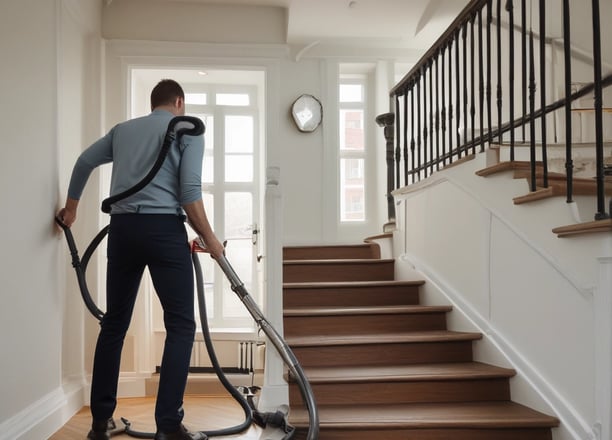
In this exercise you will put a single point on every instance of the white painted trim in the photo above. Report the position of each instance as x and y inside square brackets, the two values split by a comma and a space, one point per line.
[603, 352]
[186, 50]
[45, 416]
[275, 390]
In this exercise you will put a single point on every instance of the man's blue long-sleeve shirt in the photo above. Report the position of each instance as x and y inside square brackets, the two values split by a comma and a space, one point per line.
[133, 147]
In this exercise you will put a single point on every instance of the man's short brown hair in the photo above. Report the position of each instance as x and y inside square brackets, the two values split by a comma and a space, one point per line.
[165, 92]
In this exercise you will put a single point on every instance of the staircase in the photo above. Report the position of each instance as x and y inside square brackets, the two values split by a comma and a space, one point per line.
[557, 187]
[383, 367]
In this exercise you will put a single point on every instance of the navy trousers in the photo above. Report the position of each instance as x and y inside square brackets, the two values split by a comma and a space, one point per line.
[159, 242]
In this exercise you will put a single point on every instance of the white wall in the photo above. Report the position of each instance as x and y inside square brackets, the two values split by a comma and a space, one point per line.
[533, 295]
[46, 88]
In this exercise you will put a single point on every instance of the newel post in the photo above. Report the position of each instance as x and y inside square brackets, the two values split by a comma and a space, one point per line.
[387, 121]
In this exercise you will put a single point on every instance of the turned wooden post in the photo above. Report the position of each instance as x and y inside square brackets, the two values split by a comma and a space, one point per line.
[387, 120]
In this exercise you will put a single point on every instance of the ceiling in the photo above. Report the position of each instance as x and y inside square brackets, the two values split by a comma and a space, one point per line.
[413, 24]
[404, 24]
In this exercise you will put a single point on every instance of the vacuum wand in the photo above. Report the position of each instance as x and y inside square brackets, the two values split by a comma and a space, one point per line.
[279, 343]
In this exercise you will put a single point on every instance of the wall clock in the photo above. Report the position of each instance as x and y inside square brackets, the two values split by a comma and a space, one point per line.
[307, 112]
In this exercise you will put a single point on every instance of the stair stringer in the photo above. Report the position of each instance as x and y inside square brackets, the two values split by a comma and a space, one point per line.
[465, 255]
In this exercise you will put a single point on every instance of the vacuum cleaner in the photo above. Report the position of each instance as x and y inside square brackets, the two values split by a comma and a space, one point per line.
[277, 421]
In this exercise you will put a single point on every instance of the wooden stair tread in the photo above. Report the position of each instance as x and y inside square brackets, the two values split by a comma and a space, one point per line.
[427, 415]
[386, 338]
[414, 372]
[366, 310]
[582, 228]
[506, 166]
[538, 194]
[340, 284]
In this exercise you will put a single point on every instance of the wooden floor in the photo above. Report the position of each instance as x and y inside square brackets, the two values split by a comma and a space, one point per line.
[202, 413]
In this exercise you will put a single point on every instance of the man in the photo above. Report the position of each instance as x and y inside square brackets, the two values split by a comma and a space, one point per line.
[147, 230]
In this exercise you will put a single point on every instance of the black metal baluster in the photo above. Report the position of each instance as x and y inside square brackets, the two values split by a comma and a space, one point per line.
[398, 139]
[599, 151]
[443, 109]
[543, 90]
[499, 75]
[569, 164]
[465, 88]
[418, 167]
[489, 97]
[437, 128]
[524, 60]
[532, 86]
[431, 118]
[481, 81]
[425, 158]
[510, 9]
[412, 127]
[450, 101]
[406, 137]
[458, 97]
[472, 83]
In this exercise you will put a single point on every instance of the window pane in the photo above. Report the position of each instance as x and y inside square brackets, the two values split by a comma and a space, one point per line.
[239, 168]
[351, 93]
[238, 224]
[237, 99]
[351, 130]
[208, 274]
[352, 190]
[208, 164]
[232, 306]
[207, 263]
[238, 215]
[195, 98]
[239, 134]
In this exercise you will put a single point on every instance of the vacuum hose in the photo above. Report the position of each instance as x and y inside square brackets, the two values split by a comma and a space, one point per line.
[177, 127]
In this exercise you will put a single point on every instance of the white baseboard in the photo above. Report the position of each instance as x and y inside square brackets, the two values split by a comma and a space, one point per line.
[44, 417]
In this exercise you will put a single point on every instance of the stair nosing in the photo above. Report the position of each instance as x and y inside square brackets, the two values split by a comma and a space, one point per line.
[365, 310]
[348, 284]
[341, 261]
[387, 416]
[387, 338]
[411, 373]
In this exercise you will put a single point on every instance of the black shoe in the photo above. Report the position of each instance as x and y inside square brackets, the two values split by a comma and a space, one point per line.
[181, 434]
[100, 430]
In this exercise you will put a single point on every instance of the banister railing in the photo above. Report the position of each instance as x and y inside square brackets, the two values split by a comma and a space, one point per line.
[444, 108]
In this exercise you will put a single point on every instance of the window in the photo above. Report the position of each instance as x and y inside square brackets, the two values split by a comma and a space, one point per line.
[229, 176]
[352, 149]
[196, 98]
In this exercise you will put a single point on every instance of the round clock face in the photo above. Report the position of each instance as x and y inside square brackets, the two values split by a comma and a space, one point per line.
[307, 112]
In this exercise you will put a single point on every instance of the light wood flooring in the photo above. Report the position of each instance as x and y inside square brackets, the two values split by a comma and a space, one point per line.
[203, 413]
